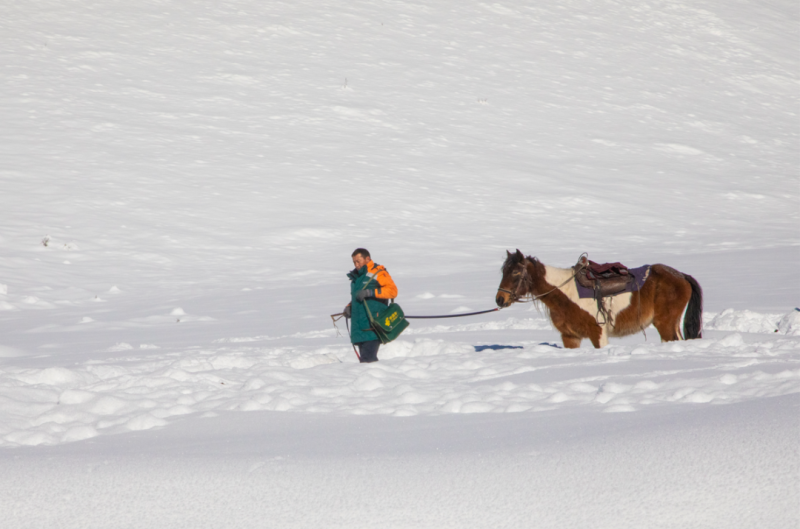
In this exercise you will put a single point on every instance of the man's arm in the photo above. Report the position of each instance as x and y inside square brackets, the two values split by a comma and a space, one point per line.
[387, 288]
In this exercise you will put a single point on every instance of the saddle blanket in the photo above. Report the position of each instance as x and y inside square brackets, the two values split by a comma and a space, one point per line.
[639, 277]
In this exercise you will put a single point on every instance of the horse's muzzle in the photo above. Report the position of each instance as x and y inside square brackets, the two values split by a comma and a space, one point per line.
[504, 298]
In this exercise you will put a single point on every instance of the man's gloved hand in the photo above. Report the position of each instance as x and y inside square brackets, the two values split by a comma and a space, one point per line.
[361, 295]
[346, 312]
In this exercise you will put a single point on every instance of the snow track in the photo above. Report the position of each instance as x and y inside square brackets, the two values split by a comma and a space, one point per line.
[421, 377]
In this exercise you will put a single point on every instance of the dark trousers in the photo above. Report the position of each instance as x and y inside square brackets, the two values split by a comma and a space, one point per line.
[368, 351]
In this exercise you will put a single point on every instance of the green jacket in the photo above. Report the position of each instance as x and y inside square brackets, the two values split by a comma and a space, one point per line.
[360, 330]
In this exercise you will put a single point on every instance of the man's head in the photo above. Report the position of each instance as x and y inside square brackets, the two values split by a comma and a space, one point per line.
[360, 257]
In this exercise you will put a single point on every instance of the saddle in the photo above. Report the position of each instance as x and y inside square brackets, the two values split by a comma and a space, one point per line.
[607, 279]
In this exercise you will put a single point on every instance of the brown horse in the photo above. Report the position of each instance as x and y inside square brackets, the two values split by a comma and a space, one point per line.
[661, 301]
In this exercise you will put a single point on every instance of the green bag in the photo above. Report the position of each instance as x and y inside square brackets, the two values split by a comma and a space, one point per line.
[388, 323]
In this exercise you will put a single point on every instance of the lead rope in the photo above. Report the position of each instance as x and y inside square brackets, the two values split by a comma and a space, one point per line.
[452, 315]
[337, 317]
[347, 324]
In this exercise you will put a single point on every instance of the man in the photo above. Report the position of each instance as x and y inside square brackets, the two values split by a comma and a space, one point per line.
[370, 283]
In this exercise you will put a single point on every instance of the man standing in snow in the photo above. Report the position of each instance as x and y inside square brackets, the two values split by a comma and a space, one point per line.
[370, 283]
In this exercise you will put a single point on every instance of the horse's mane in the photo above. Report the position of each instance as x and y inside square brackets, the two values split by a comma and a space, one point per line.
[514, 259]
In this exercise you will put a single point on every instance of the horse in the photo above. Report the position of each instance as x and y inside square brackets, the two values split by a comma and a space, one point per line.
[662, 300]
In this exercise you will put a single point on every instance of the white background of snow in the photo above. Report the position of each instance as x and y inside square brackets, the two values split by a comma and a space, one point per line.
[202, 171]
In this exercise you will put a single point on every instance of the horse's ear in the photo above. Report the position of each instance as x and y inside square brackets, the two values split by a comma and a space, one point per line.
[508, 254]
[519, 254]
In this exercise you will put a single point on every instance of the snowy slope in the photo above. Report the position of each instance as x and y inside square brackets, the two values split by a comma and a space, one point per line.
[168, 142]
[183, 183]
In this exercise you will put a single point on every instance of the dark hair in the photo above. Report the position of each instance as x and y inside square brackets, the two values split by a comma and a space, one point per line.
[363, 252]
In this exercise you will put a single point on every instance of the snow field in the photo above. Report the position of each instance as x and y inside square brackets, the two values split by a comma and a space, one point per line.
[415, 377]
[181, 185]
[691, 466]
[753, 322]
[171, 143]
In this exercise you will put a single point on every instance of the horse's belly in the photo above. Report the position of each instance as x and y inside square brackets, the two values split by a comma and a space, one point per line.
[613, 304]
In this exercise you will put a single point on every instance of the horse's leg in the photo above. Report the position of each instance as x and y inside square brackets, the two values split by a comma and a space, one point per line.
[600, 340]
[667, 328]
[672, 296]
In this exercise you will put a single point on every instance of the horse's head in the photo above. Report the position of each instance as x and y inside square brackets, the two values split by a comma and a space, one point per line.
[516, 280]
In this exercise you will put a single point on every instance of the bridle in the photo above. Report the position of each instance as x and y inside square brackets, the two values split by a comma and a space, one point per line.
[529, 298]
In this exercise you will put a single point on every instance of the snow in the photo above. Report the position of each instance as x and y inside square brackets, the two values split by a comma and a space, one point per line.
[420, 377]
[183, 184]
[790, 324]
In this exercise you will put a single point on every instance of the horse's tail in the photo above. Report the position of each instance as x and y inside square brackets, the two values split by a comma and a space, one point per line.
[693, 320]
